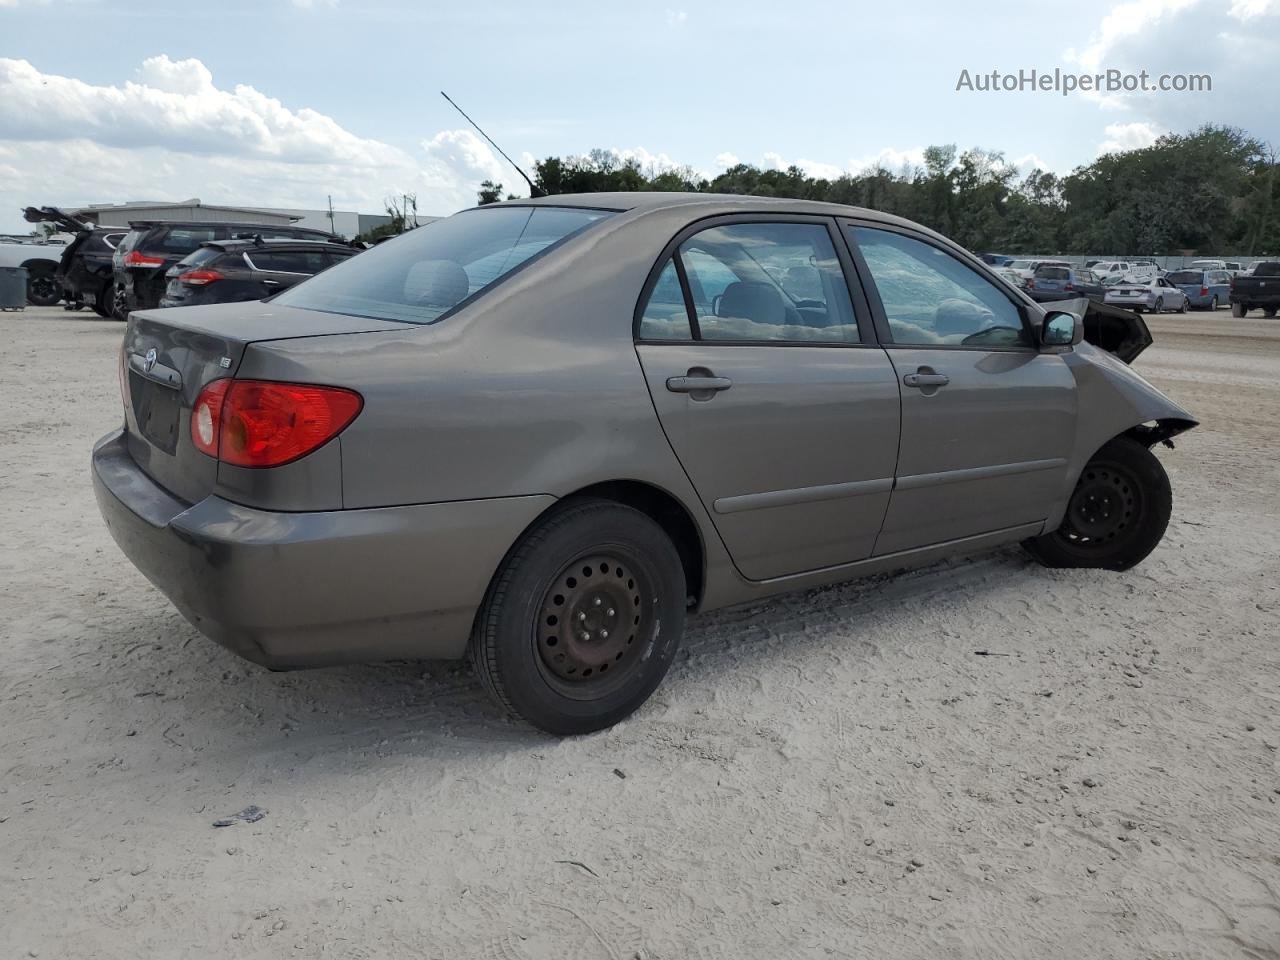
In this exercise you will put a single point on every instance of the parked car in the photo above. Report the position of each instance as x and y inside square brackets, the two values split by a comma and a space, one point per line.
[1206, 289]
[227, 271]
[1151, 296]
[151, 247]
[1207, 265]
[1064, 283]
[1259, 290]
[1125, 269]
[538, 433]
[41, 261]
[1011, 277]
[84, 273]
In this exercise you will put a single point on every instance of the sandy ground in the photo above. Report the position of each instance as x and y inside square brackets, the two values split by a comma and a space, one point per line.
[833, 774]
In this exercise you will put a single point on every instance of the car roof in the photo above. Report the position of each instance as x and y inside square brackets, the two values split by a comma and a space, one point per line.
[644, 201]
[185, 224]
[253, 243]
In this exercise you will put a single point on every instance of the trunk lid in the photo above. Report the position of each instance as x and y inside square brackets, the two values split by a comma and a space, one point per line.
[170, 355]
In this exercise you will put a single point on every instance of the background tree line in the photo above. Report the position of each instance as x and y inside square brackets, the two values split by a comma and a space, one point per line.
[1213, 190]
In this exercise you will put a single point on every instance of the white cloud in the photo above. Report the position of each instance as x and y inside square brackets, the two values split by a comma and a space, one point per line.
[1235, 42]
[1129, 136]
[677, 17]
[312, 4]
[890, 158]
[727, 160]
[812, 168]
[172, 132]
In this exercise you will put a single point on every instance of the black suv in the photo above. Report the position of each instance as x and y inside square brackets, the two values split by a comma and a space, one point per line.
[151, 247]
[84, 272]
[227, 271]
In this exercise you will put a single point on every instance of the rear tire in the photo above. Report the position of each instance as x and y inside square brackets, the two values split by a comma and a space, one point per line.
[582, 619]
[1186, 305]
[1269, 313]
[1239, 309]
[1117, 514]
[1213, 304]
[119, 303]
[102, 300]
[42, 287]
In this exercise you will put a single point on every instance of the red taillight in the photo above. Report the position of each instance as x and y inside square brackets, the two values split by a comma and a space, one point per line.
[1069, 286]
[1204, 291]
[136, 259]
[257, 423]
[198, 278]
[206, 417]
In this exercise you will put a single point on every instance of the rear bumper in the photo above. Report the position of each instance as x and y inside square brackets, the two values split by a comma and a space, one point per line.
[293, 590]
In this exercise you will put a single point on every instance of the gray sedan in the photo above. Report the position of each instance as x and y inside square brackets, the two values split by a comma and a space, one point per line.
[540, 433]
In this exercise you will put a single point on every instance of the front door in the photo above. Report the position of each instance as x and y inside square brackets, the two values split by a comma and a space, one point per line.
[988, 420]
[780, 410]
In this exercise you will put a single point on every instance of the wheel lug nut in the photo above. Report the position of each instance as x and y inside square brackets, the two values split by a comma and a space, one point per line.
[611, 611]
[586, 636]
[597, 601]
[581, 617]
[604, 634]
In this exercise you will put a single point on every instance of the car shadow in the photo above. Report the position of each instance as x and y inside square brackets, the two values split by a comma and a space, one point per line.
[202, 702]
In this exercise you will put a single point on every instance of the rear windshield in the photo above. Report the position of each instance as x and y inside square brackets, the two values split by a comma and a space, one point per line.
[200, 257]
[1185, 276]
[1053, 273]
[184, 239]
[420, 276]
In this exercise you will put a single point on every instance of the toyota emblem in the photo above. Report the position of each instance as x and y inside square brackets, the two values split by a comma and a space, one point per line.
[149, 361]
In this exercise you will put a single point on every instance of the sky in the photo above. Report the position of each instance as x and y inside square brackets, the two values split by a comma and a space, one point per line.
[286, 102]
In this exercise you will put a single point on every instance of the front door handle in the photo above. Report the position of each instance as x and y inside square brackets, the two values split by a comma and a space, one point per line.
[271, 283]
[698, 384]
[926, 379]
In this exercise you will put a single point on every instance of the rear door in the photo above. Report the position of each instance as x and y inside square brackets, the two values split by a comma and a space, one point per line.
[764, 371]
[987, 419]
[282, 267]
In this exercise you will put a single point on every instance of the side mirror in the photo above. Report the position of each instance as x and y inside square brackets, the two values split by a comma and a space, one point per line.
[1061, 329]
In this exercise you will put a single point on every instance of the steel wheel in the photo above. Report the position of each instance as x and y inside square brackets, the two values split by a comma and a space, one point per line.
[1117, 513]
[1105, 502]
[583, 618]
[595, 617]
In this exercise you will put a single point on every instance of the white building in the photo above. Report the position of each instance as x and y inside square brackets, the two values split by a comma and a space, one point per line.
[346, 223]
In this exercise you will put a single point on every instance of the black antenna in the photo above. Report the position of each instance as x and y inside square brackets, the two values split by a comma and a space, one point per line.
[533, 190]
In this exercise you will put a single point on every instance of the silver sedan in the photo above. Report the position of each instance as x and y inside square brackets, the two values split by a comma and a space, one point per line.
[541, 433]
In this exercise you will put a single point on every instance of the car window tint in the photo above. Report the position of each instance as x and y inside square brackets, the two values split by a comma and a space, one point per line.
[665, 316]
[290, 261]
[185, 239]
[768, 282]
[201, 257]
[932, 299]
[1053, 273]
[421, 275]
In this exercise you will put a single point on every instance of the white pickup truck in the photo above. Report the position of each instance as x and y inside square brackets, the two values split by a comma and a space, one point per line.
[41, 261]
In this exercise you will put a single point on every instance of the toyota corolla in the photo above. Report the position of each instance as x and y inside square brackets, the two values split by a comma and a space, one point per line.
[540, 433]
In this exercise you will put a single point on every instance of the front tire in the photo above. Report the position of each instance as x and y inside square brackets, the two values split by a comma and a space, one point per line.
[1117, 514]
[1269, 313]
[583, 618]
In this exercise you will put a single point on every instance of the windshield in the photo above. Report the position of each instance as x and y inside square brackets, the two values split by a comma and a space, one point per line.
[422, 275]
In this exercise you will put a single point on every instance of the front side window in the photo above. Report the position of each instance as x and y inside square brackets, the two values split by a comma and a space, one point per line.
[760, 282]
[932, 299]
[422, 275]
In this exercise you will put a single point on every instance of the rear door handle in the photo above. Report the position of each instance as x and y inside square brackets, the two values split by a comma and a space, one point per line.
[924, 380]
[698, 384]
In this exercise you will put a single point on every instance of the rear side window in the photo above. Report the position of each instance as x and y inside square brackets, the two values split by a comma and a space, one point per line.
[422, 275]
[665, 316]
[289, 261]
[768, 282]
